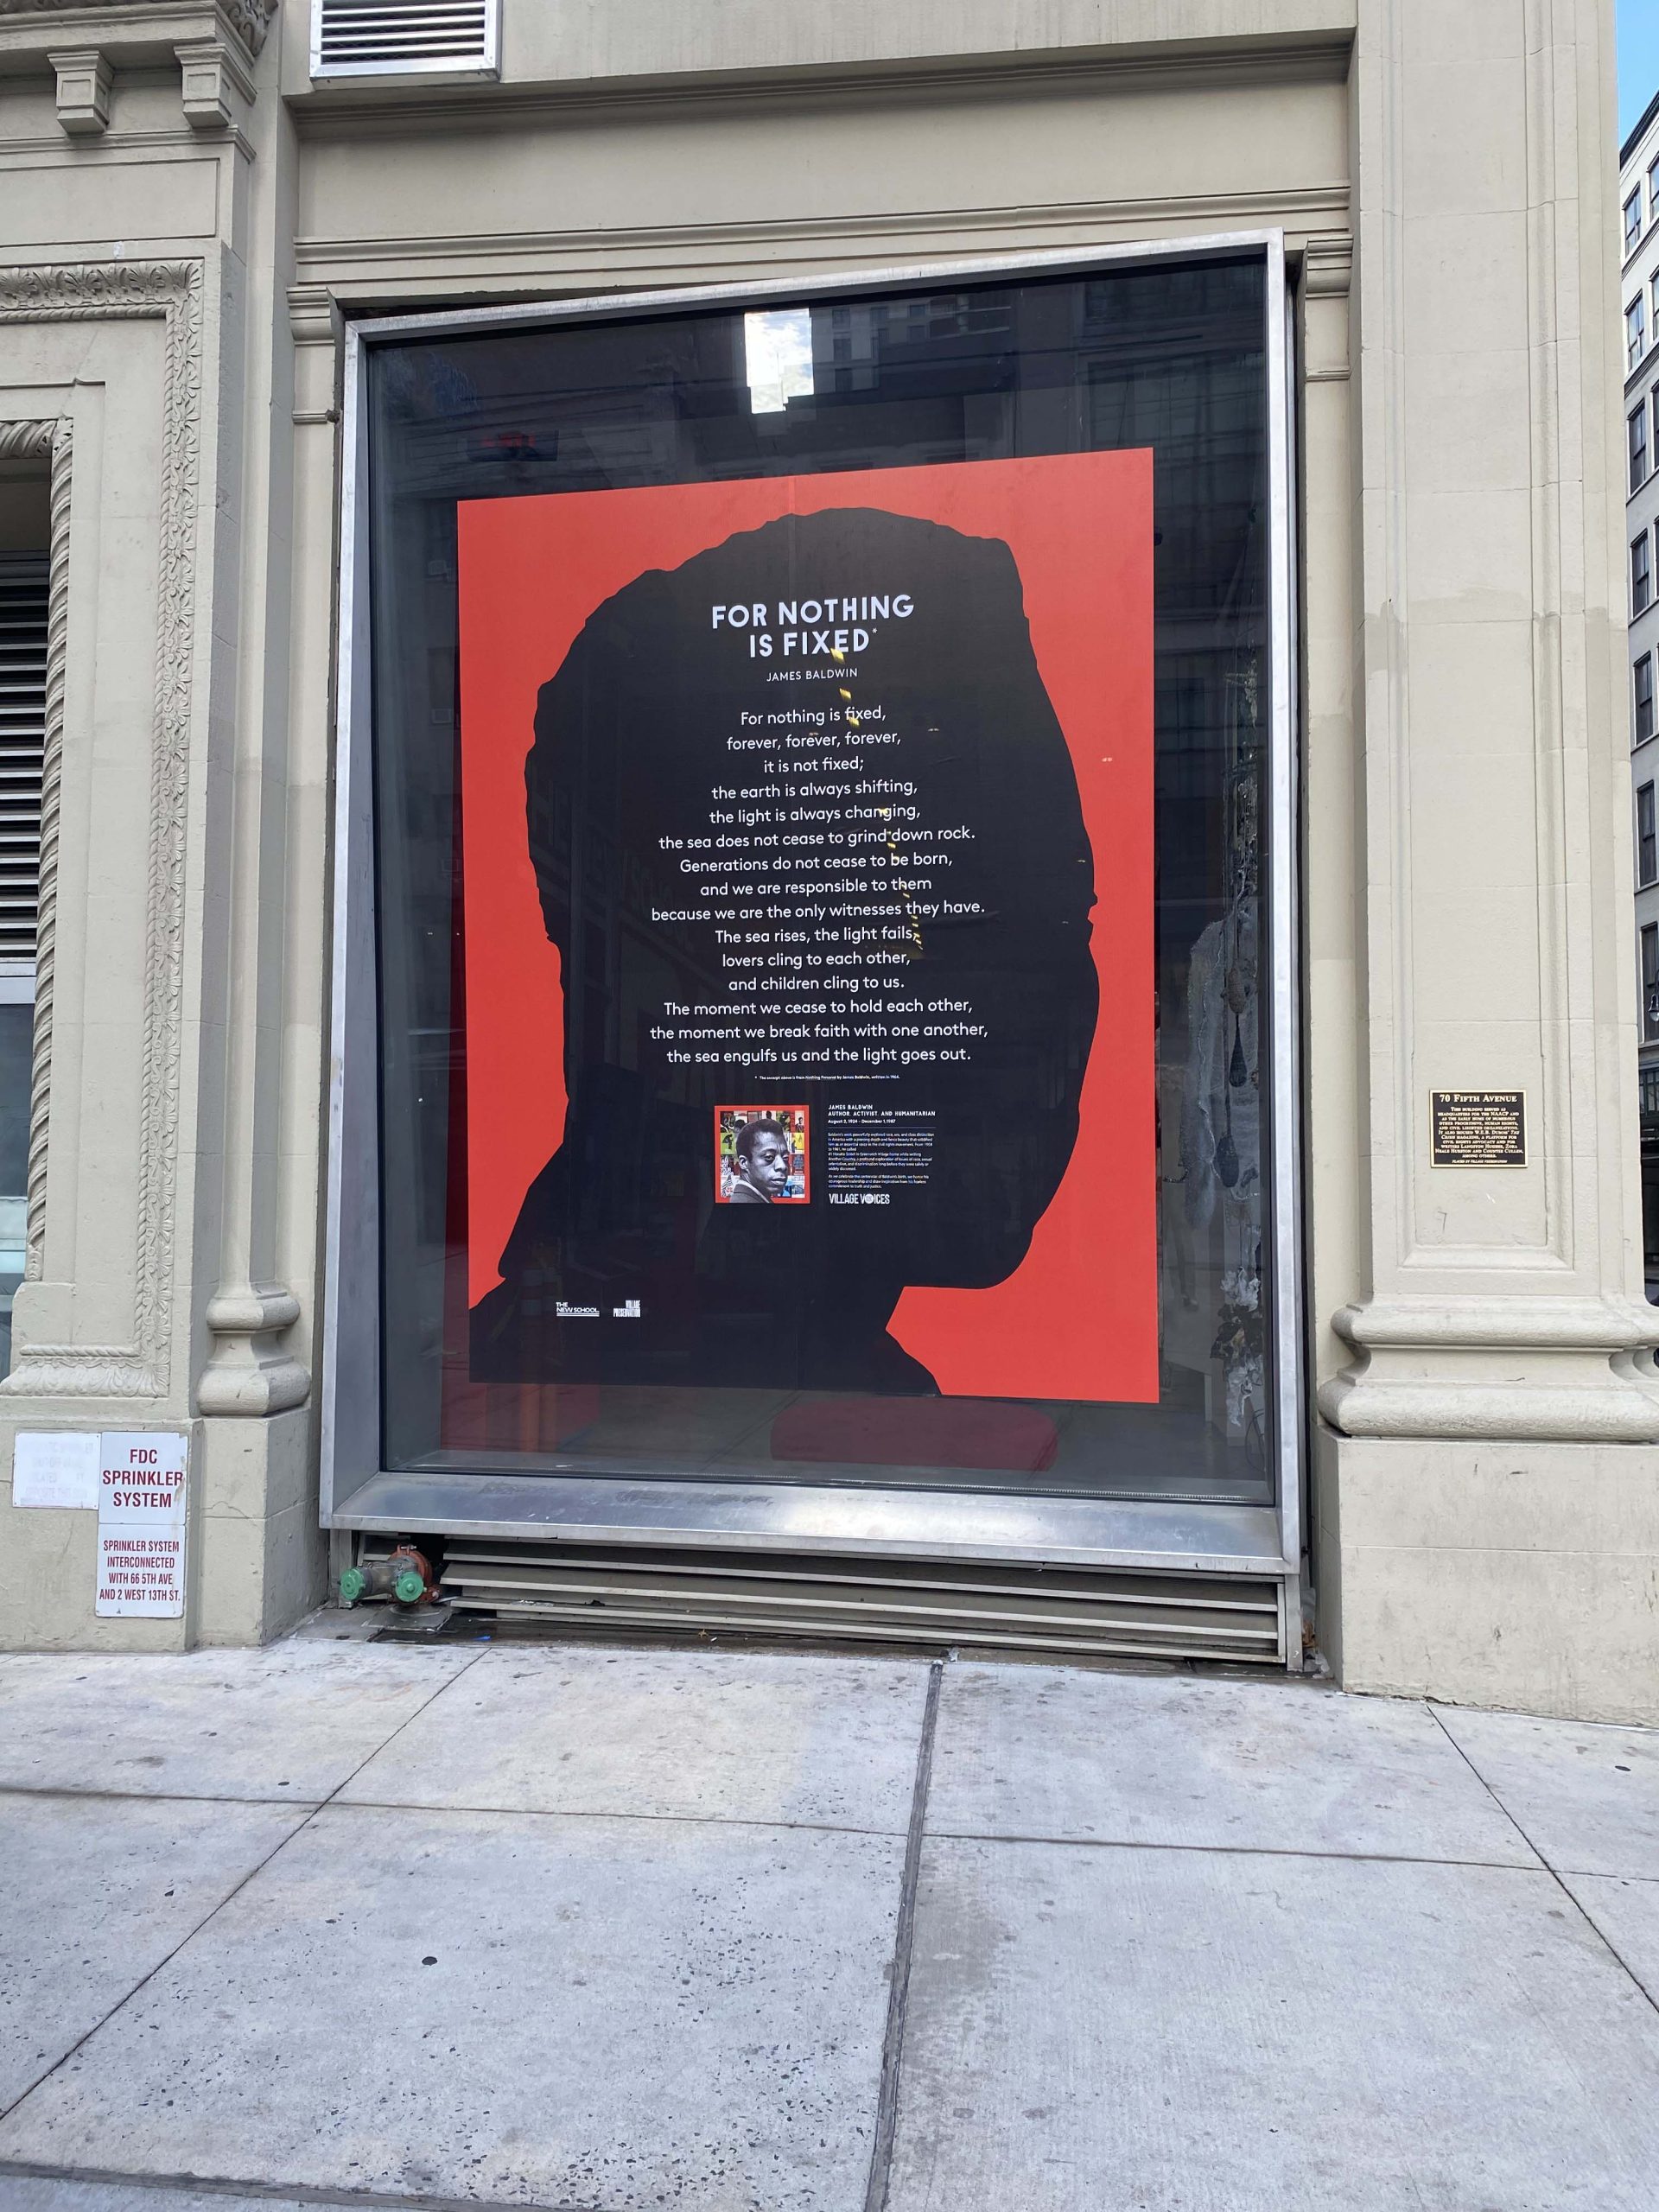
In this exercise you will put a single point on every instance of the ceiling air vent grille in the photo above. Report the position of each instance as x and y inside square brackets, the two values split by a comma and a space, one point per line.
[397, 38]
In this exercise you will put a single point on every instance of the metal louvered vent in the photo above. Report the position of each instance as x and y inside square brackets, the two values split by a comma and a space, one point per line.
[396, 38]
[1106, 1611]
[23, 593]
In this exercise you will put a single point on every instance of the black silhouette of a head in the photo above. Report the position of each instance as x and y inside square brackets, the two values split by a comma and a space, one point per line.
[980, 941]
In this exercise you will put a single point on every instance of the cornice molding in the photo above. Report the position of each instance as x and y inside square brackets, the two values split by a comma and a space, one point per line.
[123, 29]
[530, 260]
[102, 291]
[354, 109]
[112, 144]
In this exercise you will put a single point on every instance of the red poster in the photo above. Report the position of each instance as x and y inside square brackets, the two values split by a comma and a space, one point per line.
[807, 844]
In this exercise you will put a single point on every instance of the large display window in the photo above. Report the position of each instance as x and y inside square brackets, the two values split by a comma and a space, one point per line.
[814, 881]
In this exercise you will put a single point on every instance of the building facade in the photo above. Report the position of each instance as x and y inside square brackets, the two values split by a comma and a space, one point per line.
[1191, 1203]
[1638, 195]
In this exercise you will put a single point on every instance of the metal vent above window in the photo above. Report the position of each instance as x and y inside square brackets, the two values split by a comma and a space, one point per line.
[23, 592]
[396, 38]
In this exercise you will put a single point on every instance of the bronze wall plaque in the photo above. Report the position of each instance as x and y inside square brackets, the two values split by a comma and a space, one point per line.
[1480, 1129]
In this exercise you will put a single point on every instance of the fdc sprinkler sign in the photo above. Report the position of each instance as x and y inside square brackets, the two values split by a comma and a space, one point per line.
[141, 1525]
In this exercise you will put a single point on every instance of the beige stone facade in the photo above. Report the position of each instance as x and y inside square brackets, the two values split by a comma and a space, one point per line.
[187, 224]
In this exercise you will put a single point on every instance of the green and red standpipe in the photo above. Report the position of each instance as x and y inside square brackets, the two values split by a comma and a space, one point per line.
[405, 1577]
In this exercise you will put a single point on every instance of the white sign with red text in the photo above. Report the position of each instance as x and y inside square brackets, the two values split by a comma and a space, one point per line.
[141, 1524]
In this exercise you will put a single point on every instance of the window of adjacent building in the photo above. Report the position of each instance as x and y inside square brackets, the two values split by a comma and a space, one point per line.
[1647, 839]
[1641, 576]
[1653, 191]
[1632, 218]
[1644, 724]
[1635, 329]
[23, 592]
[1650, 981]
[1639, 444]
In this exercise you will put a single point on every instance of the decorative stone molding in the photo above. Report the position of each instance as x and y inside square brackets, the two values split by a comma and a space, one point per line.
[83, 79]
[314, 318]
[1327, 277]
[45, 907]
[248, 1374]
[470, 262]
[216, 87]
[80, 1371]
[129, 21]
[249, 20]
[1517, 1369]
[1328, 265]
[106, 291]
[27, 441]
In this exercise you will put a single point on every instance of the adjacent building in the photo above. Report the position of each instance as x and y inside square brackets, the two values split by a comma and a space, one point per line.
[1638, 191]
[815, 821]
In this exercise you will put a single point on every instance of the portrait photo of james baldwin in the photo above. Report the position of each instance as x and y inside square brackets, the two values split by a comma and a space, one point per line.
[631, 732]
[761, 1158]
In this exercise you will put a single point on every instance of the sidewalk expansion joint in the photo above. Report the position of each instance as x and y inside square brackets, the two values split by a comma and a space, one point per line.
[68, 1789]
[893, 2045]
[339, 2199]
[1331, 1857]
[334, 1803]
[758, 1821]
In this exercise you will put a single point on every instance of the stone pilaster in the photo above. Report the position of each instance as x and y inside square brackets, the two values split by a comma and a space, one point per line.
[1501, 1302]
[1496, 1307]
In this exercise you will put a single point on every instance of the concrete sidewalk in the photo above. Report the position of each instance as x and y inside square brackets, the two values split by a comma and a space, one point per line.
[345, 1923]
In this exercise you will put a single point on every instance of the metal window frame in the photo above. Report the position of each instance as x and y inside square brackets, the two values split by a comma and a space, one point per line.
[487, 66]
[358, 1493]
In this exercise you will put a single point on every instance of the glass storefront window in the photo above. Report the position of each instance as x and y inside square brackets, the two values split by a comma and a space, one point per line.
[991, 1213]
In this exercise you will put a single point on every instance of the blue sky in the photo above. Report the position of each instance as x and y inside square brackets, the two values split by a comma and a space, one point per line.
[1638, 60]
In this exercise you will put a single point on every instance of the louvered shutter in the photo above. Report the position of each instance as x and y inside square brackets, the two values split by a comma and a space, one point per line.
[396, 38]
[23, 739]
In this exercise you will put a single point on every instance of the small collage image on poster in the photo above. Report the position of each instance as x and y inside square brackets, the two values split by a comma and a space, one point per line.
[763, 1156]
